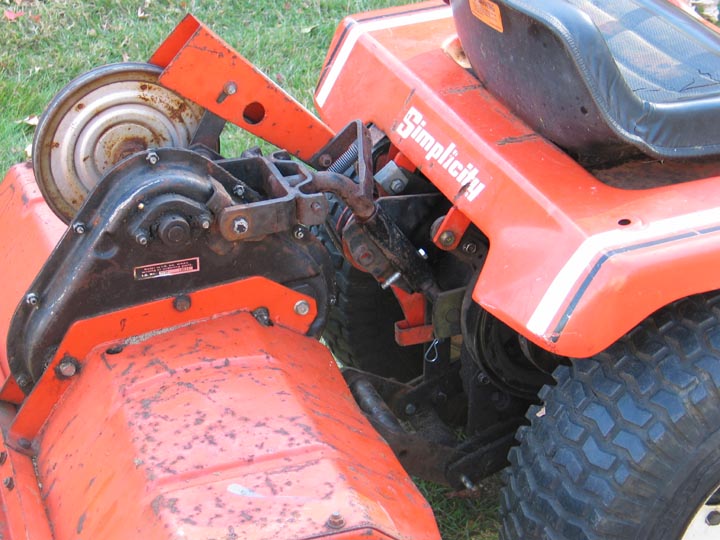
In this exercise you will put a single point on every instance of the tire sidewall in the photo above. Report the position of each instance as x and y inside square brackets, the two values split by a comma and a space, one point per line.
[695, 481]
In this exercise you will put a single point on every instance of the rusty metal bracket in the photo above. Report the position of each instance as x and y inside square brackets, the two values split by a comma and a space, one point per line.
[284, 205]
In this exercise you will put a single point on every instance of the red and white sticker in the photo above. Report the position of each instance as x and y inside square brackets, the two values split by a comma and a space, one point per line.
[488, 12]
[169, 268]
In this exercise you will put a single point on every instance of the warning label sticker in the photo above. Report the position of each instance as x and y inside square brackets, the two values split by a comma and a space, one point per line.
[170, 268]
[488, 12]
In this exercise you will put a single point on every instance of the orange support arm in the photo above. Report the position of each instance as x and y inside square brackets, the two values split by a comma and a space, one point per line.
[202, 67]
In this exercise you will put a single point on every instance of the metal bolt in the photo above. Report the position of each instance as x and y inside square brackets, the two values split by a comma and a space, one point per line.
[3, 457]
[335, 521]
[262, 315]
[205, 222]
[397, 185]
[299, 232]
[469, 247]
[230, 88]
[468, 483]
[240, 225]
[410, 409]
[391, 280]
[9, 483]
[141, 238]
[302, 307]
[483, 379]
[422, 253]
[316, 207]
[32, 299]
[141, 206]
[239, 190]
[67, 368]
[325, 160]
[447, 238]
[182, 303]
[713, 518]
[22, 380]
[152, 158]
[79, 228]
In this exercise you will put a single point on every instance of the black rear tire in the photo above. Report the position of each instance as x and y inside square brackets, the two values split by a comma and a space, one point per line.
[627, 445]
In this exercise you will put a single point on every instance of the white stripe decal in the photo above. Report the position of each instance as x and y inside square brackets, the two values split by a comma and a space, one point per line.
[360, 28]
[578, 265]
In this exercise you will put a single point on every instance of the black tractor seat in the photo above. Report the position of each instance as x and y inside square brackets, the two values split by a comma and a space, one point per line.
[600, 78]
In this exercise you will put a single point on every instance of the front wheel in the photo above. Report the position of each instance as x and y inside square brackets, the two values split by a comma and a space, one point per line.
[627, 445]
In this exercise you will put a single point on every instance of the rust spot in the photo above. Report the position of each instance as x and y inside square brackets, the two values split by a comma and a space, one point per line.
[176, 113]
[520, 139]
[79, 106]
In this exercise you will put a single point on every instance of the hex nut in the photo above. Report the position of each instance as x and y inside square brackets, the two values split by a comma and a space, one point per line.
[152, 158]
[182, 303]
[240, 225]
[335, 521]
[302, 307]
[447, 238]
[67, 368]
[397, 185]
[141, 238]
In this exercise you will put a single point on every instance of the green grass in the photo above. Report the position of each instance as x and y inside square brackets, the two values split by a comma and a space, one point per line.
[56, 40]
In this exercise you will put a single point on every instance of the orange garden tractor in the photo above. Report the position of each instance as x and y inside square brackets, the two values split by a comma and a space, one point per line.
[505, 224]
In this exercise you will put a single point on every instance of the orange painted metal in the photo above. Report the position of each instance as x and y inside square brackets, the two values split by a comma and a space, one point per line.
[414, 328]
[455, 223]
[22, 511]
[160, 316]
[28, 234]
[573, 263]
[202, 67]
[222, 428]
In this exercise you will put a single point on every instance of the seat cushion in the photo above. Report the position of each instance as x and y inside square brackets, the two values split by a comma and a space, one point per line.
[600, 78]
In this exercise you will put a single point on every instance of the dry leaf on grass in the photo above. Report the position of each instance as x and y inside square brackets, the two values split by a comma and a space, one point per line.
[11, 15]
[31, 120]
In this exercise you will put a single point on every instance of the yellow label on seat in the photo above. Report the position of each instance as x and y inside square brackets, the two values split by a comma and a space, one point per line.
[488, 12]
